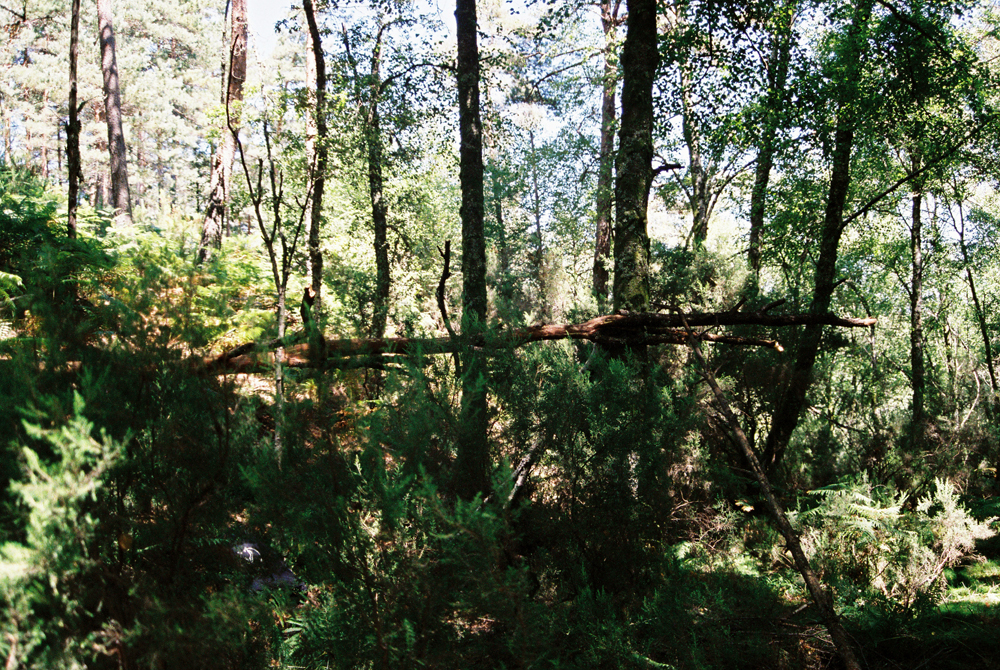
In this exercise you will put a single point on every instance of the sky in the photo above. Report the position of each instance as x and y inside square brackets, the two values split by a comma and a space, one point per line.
[261, 16]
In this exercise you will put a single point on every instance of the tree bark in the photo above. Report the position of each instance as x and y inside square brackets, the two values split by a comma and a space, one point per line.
[376, 191]
[640, 59]
[222, 164]
[73, 127]
[619, 330]
[537, 255]
[781, 46]
[472, 467]
[786, 417]
[121, 198]
[980, 314]
[917, 372]
[605, 174]
[700, 197]
[322, 158]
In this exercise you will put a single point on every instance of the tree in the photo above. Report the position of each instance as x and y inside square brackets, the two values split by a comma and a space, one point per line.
[472, 466]
[320, 159]
[73, 127]
[849, 58]
[121, 197]
[222, 163]
[777, 65]
[640, 59]
[605, 179]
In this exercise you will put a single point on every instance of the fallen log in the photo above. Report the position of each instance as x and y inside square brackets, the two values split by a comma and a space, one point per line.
[614, 329]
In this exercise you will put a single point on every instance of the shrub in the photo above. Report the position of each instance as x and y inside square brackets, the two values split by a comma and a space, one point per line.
[878, 551]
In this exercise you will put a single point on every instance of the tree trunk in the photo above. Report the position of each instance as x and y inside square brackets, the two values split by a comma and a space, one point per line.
[980, 314]
[605, 174]
[222, 164]
[120, 196]
[537, 255]
[472, 467]
[700, 198]
[322, 152]
[376, 192]
[44, 152]
[781, 46]
[917, 371]
[505, 286]
[786, 417]
[7, 124]
[640, 58]
[621, 330]
[73, 127]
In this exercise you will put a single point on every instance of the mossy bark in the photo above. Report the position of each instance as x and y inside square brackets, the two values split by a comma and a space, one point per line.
[640, 59]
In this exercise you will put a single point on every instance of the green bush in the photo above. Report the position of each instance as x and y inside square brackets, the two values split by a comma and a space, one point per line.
[881, 553]
[47, 580]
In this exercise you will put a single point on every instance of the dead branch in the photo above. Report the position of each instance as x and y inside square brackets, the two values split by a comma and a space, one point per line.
[615, 329]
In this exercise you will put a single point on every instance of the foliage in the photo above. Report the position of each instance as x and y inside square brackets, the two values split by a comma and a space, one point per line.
[886, 555]
[45, 579]
[145, 521]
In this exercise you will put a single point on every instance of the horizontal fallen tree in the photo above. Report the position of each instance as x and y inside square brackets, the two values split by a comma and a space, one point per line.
[623, 329]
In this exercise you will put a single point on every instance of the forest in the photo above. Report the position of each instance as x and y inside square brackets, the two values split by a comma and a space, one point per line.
[524, 334]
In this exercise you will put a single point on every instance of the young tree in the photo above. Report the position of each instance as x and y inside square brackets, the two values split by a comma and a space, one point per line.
[605, 175]
[121, 197]
[73, 127]
[777, 65]
[320, 159]
[222, 163]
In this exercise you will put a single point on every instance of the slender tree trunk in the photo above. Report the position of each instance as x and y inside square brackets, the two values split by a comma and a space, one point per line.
[310, 122]
[7, 123]
[505, 286]
[781, 46]
[44, 153]
[980, 314]
[790, 406]
[640, 58]
[917, 371]
[700, 196]
[121, 198]
[222, 164]
[538, 254]
[376, 192]
[472, 467]
[73, 127]
[605, 174]
[322, 153]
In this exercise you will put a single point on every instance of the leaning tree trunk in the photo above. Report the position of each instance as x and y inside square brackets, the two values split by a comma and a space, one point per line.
[319, 173]
[605, 174]
[73, 127]
[640, 58]
[472, 467]
[120, 195]
[222, 164]
[786, 418]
